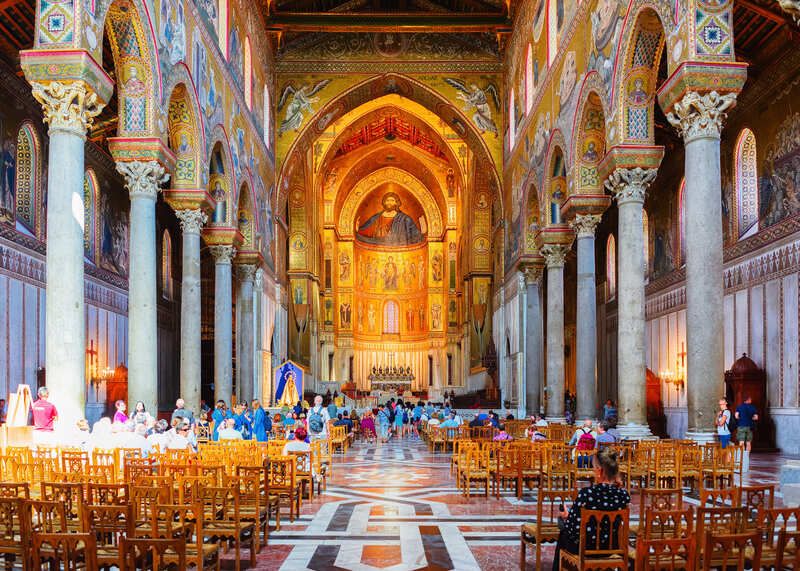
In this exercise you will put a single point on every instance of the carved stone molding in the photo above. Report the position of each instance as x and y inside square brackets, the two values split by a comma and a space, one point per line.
[630, 185]
[554, 254]
[584, 225]
[191, 220]
[698, 116]
[533, 275]
[245, 272]
[143, 178]
[223, 254]
[67, 106]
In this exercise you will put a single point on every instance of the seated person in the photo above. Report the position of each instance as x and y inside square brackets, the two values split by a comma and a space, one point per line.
[586, 429]
[477, 422]
[502, 435]
[298, 444]
[604, 437]
[229, 432]
[605, 494]
[451, 421]
[342, 420]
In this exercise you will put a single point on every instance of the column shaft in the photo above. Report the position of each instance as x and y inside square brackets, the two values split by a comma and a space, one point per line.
[191, 340]
[555, 255]
[244, 332]
[223, 324]
[533, 348]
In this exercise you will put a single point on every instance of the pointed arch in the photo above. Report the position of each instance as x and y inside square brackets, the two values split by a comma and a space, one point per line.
[90, 223]
[529, 86]
[166, 265]
[611, 268]
[682, 223]
[746, 177]
[220, 180]
[245, 217]
[186, 137]
[555, 180]
[27, 181]
[248, 73]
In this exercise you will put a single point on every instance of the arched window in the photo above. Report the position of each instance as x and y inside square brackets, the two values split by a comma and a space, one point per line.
[166, 265]
[390, 317]
[512, 121]
[529, 80]
[267, 117]
[611, 267]
[746, 185]
[26, 186]
[248, 74]
[89, 214]
[222, 31]
[646, 236]
[682, 222]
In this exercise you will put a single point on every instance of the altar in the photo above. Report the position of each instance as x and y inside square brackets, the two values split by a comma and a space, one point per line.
[391, 379]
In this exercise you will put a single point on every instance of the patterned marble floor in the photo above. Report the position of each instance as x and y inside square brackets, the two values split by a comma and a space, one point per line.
[396, 507]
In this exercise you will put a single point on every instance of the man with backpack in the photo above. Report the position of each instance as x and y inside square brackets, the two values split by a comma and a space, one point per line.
[318, 418]
[586, 434]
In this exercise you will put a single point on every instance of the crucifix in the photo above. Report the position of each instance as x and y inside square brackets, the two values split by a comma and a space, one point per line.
[91, 352]
[682, 355]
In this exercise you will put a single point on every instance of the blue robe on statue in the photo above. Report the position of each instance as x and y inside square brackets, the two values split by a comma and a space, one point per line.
[259, 426]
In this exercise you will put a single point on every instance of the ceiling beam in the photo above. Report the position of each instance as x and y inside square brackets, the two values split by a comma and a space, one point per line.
[761, 11]
[388, 22]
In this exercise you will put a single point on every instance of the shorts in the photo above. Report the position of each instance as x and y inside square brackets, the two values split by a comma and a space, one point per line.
[744, 434]
[724, 440]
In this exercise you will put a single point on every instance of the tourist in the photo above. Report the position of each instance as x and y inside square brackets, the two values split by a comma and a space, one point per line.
[229, 432]
[120, 415]
[435, 420]
[333, 410]
[181, 412]
[606, 494]
[585, 430]
[368, 426]
[81, 434]
[218, 416]
[298, 443]
[609, 410]
[202, 420]
[140, 414]
[429, 409]
[494, 420]
[612, 428]
[204, 407]
[604, 438]
[450, 422]
[180, 440]
[44, 416]
[531, 428]
[723, 423]
[290, 420]
[246, 422]
[383, 423]
[101, 436]
[159, 437]
[540, 421]
[502, 434]
[259, 421]
[478, 421]
[342, 420]
[132, 435]
[318, 418]
[746, 417]
[399, 413]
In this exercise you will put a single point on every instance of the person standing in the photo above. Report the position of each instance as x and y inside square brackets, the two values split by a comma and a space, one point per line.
[746, 415]
[181, 412]
[44, 415]
[723, 423]
[383, 423]
[218, 416]
[259, 416]
[318, 418]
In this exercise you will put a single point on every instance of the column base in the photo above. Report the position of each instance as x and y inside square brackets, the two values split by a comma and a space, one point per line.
[702, 436]
[557, 419]
[634, 431]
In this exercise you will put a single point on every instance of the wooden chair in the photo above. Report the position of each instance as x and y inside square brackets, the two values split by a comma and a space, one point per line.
[222, 520]
[721, 521]
[772, 522]
[14, 531]
[691, 466]
[756, 498]
[172, 521]
[136, 467]
[109, 524]
[281, 481]
[71, 495]
[593, 553]
[732, 551]
[788, 552]
[476, 469]
[74, 461]
[252, 506]
[671, 554]
[144, 500]
[107, 494]
[155, 554]
[545, 530]
[15, 490]
[44, 516]
[721, 497]
[667, 499]
[507, 467]
[67, 551]
[665, 470]
[304, 471]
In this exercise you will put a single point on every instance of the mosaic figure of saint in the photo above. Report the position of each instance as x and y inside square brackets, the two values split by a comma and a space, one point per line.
[390, 226]
[390, 274]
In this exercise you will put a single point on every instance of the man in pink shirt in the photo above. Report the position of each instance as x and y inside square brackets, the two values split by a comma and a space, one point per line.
[44, 412]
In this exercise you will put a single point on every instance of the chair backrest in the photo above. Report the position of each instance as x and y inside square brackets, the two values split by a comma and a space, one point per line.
[788, 550]
[719, 520]
[13, 520]
[667, 524]
[665, 554]
[158, 553]
[757, 498]
[732, 551]
[548, 502]
[74, 461]
[15, 490]
[109, 522]
[135, 467]
[219, 503]
[721, 497]
[660, 499]
[605, 534]
[67, 551]
[71, 494]
[45, 516]
[107, 494]
[281, 473]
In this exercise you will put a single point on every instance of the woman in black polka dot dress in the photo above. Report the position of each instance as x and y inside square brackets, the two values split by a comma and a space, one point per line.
[606, 494]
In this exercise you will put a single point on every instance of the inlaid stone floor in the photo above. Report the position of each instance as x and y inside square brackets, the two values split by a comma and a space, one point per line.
[396, 507]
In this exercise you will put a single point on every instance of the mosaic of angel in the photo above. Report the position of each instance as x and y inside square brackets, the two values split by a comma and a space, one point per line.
[478, 99]
[301, 100]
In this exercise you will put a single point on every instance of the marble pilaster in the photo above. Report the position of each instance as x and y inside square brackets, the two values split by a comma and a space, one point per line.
[584, 226]
[223, 322]
[555, 256]
[533, 340]
[629, 186]
[192, 221]
[143, 179]
[245, 381]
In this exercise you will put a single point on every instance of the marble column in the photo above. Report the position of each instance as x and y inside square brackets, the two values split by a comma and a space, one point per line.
[586, 318]
[533, 341]
[223, 323]
[554, 255]
[699, 118]
[192, 221]
[143, 179]
[629, 185]
[68, 110]
[245, 274]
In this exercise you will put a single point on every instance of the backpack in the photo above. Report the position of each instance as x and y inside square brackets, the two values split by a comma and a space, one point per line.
[315, 422]
[405, 417]
[733, 423]
[586, 440]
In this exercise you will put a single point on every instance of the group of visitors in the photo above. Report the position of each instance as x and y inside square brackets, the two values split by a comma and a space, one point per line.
[742, 422]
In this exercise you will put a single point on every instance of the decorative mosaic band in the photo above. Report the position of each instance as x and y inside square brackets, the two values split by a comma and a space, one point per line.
[702, 77]
[222, 236]
[584, 204]
[557, 234]
[143, 150]
[629, 157]
[189, 199]
[249, 257]
[44, 66]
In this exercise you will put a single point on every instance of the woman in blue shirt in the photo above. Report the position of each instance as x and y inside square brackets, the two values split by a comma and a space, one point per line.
[218, 416]
[259, 416]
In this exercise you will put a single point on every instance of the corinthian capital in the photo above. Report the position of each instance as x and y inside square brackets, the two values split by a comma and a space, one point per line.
[143, 177]
[67, 106]
[245, 272]
[223, 254]
[533, 275]
[630, 185]
[191, 220]
[584, 224]
[554, 254]
[698, 116]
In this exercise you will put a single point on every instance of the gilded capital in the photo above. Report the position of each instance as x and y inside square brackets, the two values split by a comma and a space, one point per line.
[223, 254]
[554, 254]
[698, 116]
[191, 220]
[584, 225]
[67, 106]
[630, 185]
[245, 272]
[143, 178]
